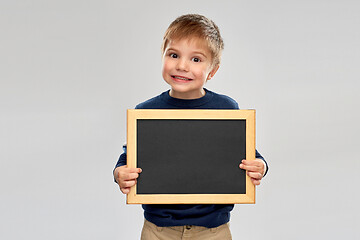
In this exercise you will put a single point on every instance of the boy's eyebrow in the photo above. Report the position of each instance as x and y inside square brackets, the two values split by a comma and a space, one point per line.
[195, 52]
[201, 53]
[171, 49]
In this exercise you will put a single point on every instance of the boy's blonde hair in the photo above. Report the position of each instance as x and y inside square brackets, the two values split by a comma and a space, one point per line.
[195, 25]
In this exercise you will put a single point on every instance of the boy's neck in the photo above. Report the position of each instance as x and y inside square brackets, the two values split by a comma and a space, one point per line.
[187, 96]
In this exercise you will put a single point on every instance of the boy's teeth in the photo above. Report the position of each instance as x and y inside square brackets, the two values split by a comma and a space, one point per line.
[181, 78]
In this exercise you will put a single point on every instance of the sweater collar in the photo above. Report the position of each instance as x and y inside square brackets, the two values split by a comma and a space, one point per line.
[187, 103]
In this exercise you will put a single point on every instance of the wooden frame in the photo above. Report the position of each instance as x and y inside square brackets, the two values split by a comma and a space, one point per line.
[136, 114]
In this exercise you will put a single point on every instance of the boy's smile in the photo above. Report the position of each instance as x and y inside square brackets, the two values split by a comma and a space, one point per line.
[187, 65]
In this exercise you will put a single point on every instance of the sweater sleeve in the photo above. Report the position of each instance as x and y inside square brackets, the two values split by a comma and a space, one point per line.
[122, 160]
[258, 155]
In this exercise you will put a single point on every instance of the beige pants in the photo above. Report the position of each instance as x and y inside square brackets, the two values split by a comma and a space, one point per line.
[152, 232]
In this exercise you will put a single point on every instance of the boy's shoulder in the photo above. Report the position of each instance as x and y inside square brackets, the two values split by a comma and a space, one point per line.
[224, 101]
[154, 102]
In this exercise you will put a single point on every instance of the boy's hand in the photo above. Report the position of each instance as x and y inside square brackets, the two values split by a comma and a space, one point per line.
[255, 169]
[126, 177]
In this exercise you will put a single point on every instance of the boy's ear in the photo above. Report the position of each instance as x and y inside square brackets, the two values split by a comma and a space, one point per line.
[213, 71]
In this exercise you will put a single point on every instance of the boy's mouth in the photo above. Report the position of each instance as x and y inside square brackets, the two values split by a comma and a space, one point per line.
[181, 78]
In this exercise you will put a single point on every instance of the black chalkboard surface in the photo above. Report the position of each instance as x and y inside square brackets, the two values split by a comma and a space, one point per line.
[202, 155]
[191, 156]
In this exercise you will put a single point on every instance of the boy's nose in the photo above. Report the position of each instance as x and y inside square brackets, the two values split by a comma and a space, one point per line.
[182, 65]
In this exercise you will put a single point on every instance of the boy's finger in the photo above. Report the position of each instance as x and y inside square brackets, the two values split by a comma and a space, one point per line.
[127, 184]
[250, 168]
[134, 170]
[131, 176]
[255, 182]
[124, 168]
[125, 190]
[255, 175]
[251, 162]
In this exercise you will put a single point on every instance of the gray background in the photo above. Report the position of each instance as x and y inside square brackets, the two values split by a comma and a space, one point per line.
[70, 69]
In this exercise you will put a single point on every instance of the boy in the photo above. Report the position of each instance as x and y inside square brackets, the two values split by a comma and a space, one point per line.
[191, 51]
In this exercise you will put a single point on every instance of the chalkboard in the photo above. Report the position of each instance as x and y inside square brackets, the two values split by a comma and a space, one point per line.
[191, 156]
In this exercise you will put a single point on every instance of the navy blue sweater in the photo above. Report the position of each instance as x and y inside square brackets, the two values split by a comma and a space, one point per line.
[206, 215]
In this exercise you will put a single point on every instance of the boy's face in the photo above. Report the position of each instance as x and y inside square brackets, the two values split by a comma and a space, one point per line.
[187, 65]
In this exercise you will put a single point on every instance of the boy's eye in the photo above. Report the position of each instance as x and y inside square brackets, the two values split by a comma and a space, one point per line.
[173, 55]
[195, 59]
